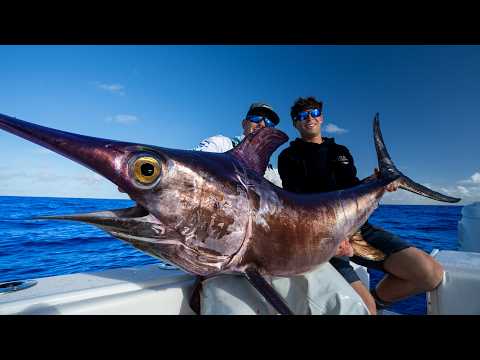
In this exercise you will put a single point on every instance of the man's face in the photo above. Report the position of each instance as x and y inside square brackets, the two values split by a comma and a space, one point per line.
[310, 127]
[250, 127]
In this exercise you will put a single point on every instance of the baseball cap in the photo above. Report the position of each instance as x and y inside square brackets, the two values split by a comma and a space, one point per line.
[264, 110]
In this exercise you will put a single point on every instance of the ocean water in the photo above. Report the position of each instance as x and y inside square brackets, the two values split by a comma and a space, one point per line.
[39, 248]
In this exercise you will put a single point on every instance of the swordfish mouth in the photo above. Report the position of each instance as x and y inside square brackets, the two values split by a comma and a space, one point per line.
[130, 224]
[145, 232]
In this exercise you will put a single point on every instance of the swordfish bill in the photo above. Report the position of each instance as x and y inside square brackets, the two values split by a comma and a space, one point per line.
[215, 213]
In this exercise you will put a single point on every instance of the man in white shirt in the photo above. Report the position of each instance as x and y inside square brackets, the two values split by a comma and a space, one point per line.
[258, 116]
[322, 291]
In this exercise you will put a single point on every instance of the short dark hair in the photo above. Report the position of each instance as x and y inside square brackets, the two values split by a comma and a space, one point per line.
[302, 104]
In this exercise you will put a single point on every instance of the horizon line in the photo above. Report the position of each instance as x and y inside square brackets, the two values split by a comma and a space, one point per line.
[95, 198]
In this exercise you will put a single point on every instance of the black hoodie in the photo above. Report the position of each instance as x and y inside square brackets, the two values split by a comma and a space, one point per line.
[311, 168]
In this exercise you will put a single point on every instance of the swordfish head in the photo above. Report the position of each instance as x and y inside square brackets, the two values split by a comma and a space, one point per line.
[191, 207]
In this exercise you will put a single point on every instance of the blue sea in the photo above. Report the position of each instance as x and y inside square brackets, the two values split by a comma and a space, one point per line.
[39, 248]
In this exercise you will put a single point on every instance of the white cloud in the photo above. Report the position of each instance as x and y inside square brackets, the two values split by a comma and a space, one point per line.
[43, 151]
[123, 119]
[49, 182]
[334, 129]
[42, 174]
[113, 88]
[474, 179]
[463, 190]
[89, 178]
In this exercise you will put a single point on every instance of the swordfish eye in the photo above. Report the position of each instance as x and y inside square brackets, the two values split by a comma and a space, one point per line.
[146, 170]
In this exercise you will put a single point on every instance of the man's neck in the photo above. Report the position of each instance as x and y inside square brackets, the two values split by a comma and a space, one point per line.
[316, 139]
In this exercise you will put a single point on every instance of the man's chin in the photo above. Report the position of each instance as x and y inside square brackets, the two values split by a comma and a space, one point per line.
[310, 134]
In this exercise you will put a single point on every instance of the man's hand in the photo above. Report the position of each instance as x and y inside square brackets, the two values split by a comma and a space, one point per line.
[345, 249]
[390, 187]
[393, 186]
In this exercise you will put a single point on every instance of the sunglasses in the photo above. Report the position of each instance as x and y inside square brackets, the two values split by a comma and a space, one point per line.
[257, 118]
[304, 114]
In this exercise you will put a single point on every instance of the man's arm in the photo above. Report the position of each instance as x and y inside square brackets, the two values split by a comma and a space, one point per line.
[217, 143]
[272, 175]
[351, 172]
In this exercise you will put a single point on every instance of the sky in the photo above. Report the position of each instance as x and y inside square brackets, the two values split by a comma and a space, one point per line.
[428, 98]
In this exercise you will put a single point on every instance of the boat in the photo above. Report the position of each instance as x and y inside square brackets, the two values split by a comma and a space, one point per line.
[160, 289]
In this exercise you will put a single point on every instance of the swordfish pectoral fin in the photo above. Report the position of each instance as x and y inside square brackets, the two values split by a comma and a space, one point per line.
[268, 292]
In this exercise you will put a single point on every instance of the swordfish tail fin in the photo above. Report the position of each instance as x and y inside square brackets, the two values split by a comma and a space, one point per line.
[389, 171]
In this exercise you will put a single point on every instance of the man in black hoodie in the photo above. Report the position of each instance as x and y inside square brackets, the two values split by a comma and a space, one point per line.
[315, 164]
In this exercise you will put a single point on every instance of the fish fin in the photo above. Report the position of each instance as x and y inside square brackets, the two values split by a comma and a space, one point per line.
[389, 171]
[364, 250]
[255, 149]
[410, 185]
[268, 292]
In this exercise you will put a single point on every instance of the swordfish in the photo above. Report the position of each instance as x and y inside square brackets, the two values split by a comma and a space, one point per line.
[215, 213]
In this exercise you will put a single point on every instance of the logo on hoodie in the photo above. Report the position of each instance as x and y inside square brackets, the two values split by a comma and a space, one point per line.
[343, 159]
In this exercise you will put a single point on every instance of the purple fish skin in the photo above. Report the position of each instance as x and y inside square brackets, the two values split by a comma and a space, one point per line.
[290, 234]
[210, 213]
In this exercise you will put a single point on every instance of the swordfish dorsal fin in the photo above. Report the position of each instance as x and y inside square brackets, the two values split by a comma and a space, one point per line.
[255, 149]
